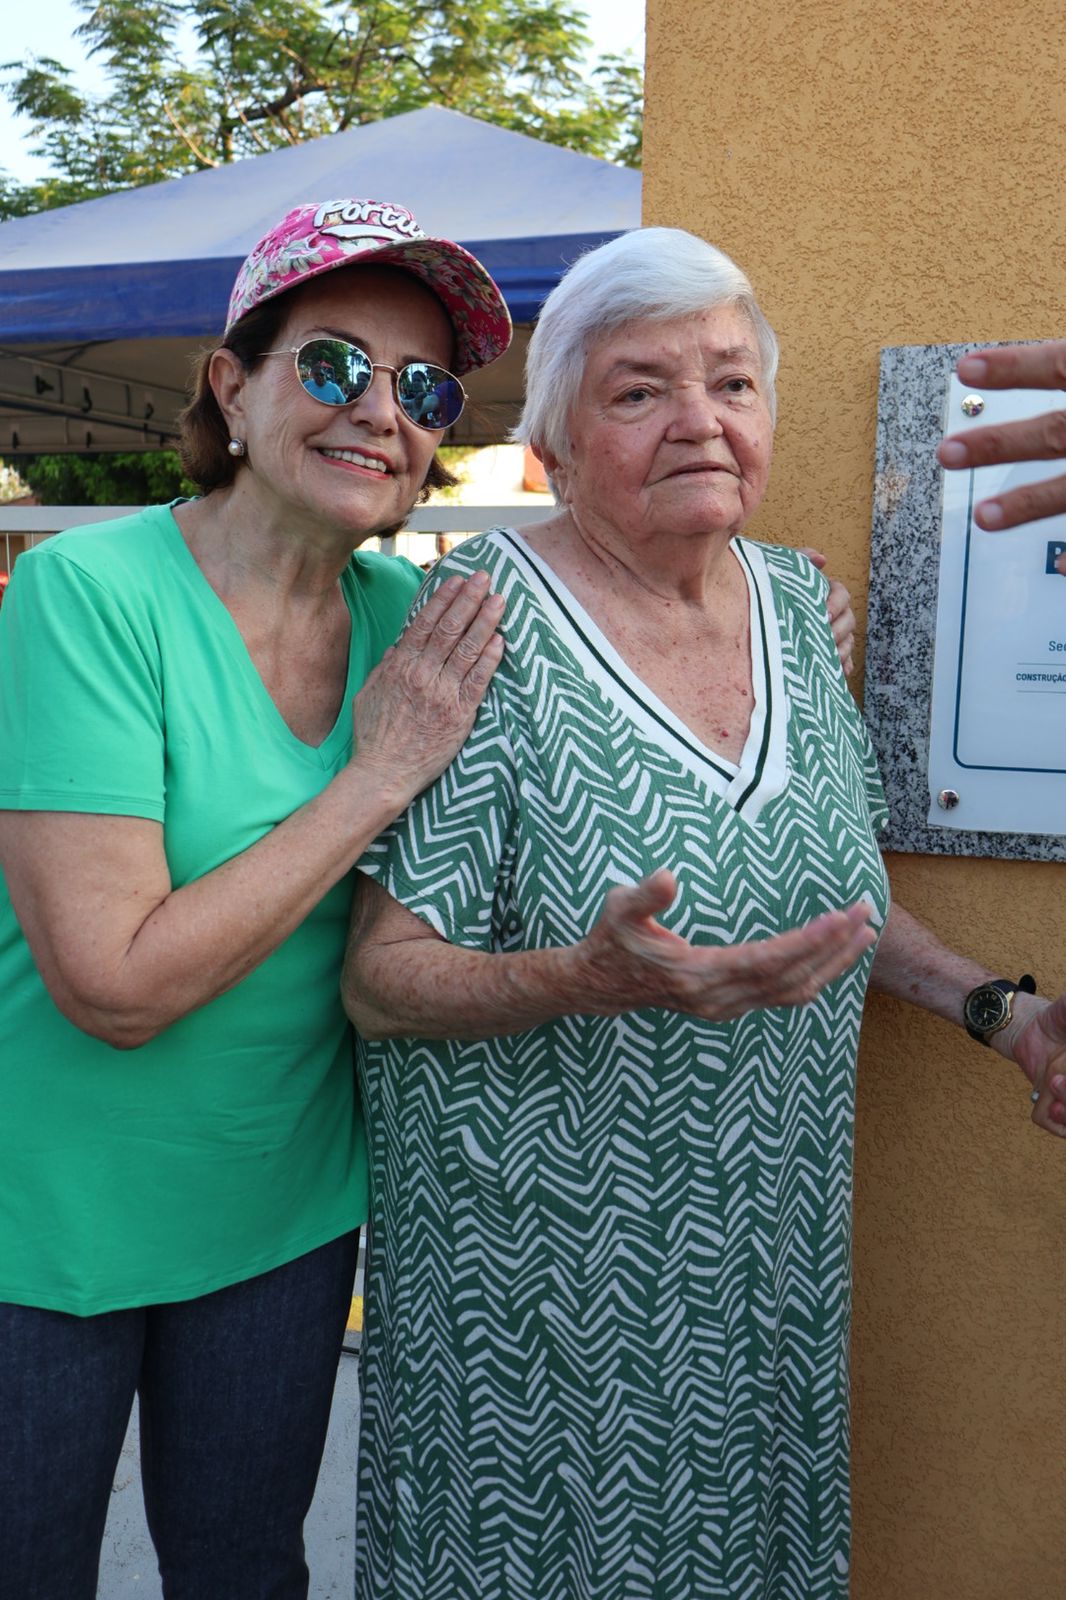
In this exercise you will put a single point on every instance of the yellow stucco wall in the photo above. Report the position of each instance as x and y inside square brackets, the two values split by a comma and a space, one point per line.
[896, 174]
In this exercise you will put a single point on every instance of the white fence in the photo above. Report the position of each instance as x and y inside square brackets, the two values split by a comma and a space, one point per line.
[22, 526]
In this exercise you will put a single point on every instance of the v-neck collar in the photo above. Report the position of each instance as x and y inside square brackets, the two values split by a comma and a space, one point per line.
[336, 744]
[762, 771]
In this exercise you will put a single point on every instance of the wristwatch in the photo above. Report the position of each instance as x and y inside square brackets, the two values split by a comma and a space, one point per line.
[988, 1008]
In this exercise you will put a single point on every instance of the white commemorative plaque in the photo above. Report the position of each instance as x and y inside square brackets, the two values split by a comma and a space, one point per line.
[997, 744]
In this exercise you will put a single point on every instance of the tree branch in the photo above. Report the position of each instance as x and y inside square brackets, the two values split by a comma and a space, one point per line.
[188, 140]
[274, 108]
[251, 131]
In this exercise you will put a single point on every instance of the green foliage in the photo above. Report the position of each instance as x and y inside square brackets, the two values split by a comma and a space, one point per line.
[196, 83]
[105, 480]
[142, 479]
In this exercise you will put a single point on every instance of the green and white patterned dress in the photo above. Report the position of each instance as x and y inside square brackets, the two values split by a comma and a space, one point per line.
[608, 1308]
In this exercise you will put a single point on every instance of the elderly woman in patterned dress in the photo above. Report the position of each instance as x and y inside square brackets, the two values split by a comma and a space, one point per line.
[610, 969]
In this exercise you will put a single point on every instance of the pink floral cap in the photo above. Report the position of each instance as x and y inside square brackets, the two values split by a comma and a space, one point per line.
[315, 238]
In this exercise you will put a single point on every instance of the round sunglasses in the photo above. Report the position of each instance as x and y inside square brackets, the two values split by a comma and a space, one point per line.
[337, 372]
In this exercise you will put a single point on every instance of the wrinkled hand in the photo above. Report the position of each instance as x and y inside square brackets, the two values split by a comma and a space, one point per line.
[418, 705]
[838, 605]
[1043, 438]
[631, 961]
[1039, 1048]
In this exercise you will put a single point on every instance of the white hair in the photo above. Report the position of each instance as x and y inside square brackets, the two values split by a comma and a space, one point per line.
[648, 275]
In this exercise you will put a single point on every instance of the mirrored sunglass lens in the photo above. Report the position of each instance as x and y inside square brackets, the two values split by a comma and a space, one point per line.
[334, 371]
[429, 395]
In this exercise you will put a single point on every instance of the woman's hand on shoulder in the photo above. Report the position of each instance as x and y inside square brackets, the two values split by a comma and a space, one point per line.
[838, 605]
[629, 960]
[418, 705]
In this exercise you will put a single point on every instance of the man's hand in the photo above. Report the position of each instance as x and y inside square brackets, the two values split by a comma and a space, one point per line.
[1043, 438]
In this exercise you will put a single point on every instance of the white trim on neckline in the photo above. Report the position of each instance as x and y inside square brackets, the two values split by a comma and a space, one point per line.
[762, 772]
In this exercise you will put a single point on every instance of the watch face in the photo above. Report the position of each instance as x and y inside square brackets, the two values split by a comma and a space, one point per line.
[986, 1008]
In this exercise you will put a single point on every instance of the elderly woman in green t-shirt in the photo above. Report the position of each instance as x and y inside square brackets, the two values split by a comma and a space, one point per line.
[202, 726]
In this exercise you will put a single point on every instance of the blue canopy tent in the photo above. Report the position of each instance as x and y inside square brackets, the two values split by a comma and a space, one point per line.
[104, 305]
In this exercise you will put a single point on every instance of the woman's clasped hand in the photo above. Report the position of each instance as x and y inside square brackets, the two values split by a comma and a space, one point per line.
[629, 959]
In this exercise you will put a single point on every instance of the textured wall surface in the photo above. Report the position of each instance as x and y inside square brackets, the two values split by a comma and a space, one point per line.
[895, 175]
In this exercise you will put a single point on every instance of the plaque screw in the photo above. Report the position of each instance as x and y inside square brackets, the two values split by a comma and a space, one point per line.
[947, 799]
[973, 405]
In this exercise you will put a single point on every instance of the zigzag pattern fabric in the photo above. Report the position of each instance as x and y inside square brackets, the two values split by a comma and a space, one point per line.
[606, 1349]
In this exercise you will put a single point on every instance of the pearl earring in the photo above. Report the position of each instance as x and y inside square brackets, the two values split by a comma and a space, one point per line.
[236, 447]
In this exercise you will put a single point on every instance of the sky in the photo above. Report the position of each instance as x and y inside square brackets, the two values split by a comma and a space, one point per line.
[46, 27]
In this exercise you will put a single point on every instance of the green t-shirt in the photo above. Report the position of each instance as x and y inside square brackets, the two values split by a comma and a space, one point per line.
[232, 1142]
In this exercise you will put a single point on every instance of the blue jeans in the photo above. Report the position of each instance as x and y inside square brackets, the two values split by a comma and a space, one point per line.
[234, 1391]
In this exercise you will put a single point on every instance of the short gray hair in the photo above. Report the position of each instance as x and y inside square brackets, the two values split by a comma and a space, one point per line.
[649, 275]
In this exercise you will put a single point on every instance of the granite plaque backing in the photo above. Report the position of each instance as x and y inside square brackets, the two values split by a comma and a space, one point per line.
[904, 577]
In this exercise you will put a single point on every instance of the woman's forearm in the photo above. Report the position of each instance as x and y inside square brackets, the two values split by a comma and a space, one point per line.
[426, 988]
[207, 936]
[913, 964]
[431, 989]
[401, 979]
[123, 954]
